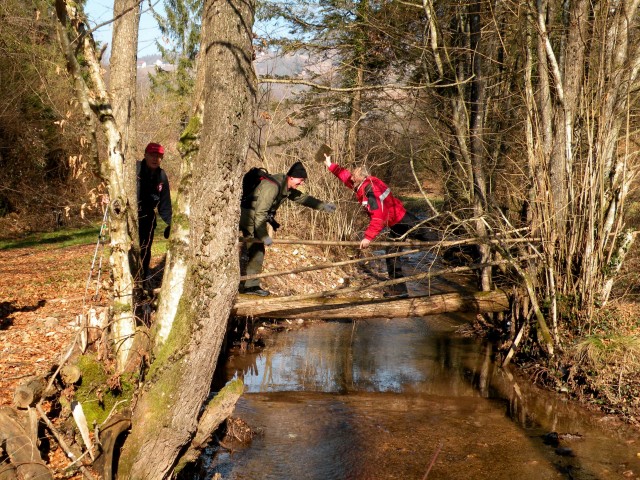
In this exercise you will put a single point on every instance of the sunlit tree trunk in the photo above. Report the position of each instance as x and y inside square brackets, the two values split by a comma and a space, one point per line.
[122, 90]
[95, 98]
[166, 414]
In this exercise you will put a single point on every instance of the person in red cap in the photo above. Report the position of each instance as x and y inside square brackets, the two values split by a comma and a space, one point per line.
[153, 193]
[384, 210]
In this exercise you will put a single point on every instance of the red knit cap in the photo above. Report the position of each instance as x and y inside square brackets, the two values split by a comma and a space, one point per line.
[154, 148]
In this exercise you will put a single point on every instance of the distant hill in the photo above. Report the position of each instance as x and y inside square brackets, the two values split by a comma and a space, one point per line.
[149, 59]
[298, 65]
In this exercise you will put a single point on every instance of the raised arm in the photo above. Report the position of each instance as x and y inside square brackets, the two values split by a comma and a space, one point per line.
[343, 174]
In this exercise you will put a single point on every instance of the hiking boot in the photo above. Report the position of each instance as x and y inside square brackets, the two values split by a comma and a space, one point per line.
[256, 291]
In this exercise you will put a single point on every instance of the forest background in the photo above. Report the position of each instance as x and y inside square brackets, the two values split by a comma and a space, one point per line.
[520, 119]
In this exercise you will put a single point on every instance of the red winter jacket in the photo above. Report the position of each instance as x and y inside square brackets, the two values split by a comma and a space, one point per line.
[383, 208]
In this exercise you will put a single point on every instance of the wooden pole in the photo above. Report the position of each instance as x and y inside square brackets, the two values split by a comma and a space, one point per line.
[328, 265]
[361, 308]
[408, 243]
[268, 302]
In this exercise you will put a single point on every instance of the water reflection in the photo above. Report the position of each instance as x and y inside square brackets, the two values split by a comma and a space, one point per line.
[375, 356]
[393, 398]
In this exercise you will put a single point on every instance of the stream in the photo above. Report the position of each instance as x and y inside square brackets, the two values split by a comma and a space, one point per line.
[408, 399]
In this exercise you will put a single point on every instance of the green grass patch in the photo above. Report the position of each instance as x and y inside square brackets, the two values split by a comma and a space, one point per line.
[160, 244]
[59, 238]
[80, 236]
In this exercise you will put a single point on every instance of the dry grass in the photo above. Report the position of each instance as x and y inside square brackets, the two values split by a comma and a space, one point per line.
[604, 366]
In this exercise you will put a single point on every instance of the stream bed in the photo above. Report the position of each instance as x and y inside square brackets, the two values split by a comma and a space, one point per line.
[408, 399]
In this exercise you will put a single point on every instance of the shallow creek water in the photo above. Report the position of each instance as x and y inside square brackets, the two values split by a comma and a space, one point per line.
[395, 399]
[408, 399]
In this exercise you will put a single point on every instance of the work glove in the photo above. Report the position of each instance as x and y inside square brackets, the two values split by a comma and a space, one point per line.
[267, 241]
[329, 207]
[167, 231]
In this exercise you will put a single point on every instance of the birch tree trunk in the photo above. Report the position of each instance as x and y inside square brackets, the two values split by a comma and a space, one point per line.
[166, 415]
[92, 92]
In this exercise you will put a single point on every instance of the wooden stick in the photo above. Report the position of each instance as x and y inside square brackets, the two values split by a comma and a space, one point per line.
[330, 293]
[328, 265]
[514, 345]
[62, 443]
[433, 461]
[409, 243]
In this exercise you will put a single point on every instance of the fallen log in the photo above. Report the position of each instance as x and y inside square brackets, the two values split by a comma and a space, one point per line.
[359, 308]
[243, 303]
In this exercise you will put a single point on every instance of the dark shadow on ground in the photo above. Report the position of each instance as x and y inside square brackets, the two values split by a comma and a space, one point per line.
[8, 308]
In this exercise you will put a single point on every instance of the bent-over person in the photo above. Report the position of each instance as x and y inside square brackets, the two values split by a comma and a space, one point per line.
[384, 210]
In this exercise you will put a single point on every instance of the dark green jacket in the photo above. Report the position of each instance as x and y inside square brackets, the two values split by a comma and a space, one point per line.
[268, 196]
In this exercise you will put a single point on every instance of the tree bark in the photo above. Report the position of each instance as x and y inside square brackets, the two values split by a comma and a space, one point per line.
[19, 436]
[166, 415]
[96, 99]
[123, 91]
[29, 392]
[359, 308]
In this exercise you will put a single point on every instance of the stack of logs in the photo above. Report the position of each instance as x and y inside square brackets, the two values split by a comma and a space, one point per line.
[19, 434]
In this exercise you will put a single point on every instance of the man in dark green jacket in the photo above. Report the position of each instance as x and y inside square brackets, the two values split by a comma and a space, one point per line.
[267, 197]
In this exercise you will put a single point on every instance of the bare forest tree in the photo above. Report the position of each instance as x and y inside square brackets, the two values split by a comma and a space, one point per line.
[96, 103]
[201, 280]
[532, 131]
[572, 82]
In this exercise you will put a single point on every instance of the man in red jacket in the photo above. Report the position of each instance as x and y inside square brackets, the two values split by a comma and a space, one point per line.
[384, 210]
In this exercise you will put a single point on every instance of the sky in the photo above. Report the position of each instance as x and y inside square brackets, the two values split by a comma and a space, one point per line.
[100, 11]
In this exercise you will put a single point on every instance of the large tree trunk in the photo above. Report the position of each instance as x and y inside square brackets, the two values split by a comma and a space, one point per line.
[122, 89]
[166, 415]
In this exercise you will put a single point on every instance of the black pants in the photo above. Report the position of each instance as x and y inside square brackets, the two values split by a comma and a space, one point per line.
[394, 267]
[146, 229]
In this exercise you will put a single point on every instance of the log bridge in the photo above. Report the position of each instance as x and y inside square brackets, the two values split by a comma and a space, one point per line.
[361, 308]
[343, 303]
